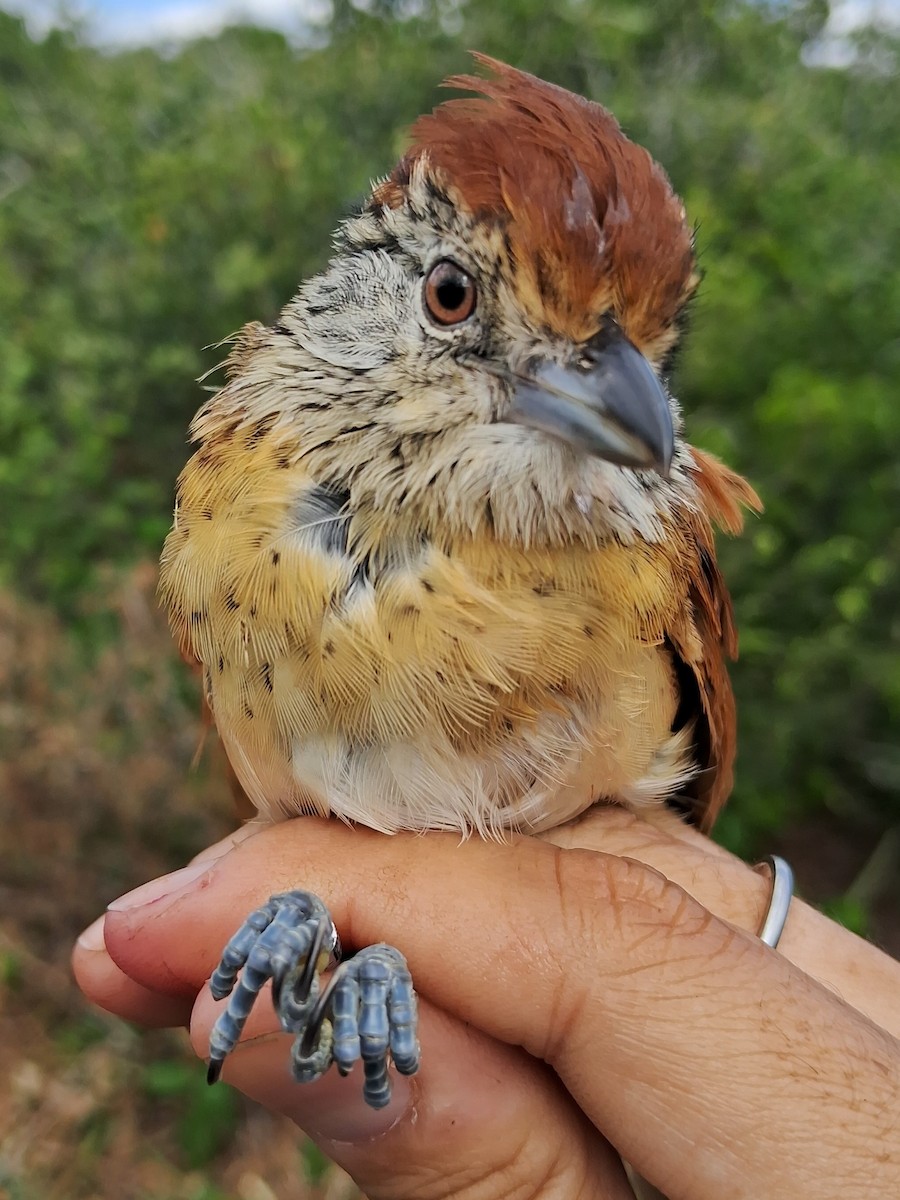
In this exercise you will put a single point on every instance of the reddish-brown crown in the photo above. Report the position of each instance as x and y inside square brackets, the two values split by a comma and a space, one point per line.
[592, 221]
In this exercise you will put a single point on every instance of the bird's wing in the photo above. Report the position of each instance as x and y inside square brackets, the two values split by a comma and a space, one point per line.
[703, 643]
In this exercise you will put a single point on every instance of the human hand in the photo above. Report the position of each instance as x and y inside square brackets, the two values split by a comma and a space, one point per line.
[564, 993]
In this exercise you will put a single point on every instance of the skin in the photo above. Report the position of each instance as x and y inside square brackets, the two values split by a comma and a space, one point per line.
[614, 998]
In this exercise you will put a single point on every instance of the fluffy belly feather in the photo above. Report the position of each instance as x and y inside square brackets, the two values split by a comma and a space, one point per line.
[474, 687]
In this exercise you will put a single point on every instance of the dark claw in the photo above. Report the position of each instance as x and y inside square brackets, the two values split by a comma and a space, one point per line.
[367, 1010]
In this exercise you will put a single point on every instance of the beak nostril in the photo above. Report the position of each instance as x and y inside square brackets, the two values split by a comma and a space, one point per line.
[606, 402]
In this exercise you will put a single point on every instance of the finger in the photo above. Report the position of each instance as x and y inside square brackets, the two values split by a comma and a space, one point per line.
[666, 1025]
[464, 1127]
[861, 974]
[219, 849]
[441, 1126]
[442, 1130]
[107, 986]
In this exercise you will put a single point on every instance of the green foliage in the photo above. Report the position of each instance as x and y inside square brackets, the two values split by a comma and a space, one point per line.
[206, 1117]
[206, 1191]
[11, 969]
[315, 1165]
[76, 1035]
[849, 912]
[153, 203]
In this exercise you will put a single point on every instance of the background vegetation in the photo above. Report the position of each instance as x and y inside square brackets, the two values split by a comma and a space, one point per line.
[152, 202]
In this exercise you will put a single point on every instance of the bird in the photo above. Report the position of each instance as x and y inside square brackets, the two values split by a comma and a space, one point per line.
[443, 553]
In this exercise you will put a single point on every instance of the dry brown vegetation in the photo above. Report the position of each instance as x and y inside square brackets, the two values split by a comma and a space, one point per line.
[96, 795]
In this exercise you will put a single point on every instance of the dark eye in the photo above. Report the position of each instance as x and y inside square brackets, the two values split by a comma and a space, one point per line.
[449, 293]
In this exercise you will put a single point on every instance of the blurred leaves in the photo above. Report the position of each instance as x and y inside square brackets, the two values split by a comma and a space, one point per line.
[152, 203]
[205, 1117]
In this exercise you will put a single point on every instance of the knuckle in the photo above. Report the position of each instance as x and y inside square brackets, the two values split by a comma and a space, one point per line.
[613, 921]
[518, 1168]
[569, 932]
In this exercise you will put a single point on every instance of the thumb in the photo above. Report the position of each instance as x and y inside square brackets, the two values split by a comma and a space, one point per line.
[480, 1121]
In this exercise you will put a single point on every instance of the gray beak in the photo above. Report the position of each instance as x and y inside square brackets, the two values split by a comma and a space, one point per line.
[609, 403]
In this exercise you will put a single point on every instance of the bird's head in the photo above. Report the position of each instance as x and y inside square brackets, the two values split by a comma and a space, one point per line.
[486, 349]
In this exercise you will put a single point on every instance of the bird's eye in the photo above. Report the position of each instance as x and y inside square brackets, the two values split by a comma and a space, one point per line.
[449, 293]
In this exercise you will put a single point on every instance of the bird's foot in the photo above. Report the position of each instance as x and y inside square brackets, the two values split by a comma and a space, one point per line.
[365, 1010]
